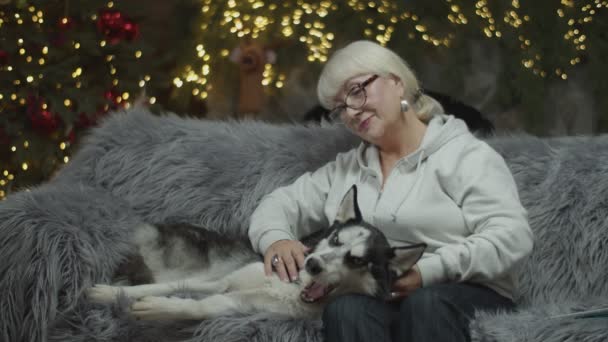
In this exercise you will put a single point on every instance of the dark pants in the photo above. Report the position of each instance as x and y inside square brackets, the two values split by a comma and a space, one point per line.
[438, 313]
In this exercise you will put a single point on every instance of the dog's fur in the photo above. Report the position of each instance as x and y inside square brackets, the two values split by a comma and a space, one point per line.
[350, 257]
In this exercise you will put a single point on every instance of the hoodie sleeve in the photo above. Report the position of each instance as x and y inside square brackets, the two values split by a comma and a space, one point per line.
[292, 211]
[483, 187]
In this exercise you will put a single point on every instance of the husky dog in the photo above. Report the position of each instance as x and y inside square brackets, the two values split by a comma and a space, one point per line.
[350, 257]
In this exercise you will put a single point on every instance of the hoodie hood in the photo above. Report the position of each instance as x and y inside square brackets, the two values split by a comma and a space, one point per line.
[440, 130]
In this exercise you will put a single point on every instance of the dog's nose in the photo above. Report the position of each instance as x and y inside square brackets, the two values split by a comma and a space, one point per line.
[313, 266]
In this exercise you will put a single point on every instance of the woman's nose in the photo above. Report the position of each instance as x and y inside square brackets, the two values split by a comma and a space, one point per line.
[350, 113]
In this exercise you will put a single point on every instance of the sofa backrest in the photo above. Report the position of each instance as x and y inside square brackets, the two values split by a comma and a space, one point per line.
[209, 173]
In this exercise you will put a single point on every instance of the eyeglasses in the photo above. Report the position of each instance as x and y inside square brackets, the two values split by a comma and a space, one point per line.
[355, 99]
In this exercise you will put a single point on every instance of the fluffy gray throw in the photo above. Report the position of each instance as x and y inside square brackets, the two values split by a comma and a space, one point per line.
[58, 239]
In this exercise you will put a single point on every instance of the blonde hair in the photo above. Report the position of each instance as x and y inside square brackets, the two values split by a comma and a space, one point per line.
[366, 57]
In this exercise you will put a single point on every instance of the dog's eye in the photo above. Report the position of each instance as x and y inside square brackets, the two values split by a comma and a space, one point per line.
[357, 261]
[335, 241]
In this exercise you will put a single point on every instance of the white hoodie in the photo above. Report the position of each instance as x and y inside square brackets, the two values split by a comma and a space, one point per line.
[454, 193]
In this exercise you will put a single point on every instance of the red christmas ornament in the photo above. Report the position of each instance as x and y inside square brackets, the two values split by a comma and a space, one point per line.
[130, 30]
[112, 95]
[109, 20]
[110, 23]
[3, 58]
[115, 27]
[43, 121]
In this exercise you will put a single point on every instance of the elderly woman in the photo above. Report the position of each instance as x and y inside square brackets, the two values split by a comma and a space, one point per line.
[422, 177]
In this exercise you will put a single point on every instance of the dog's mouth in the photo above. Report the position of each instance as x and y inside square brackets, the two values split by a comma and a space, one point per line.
[315, 292]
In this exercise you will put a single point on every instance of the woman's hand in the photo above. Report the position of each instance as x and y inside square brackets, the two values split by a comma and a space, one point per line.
[407, 283]
[291, 255]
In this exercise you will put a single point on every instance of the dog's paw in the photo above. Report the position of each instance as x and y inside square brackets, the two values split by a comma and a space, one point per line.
[101, 293]
[162, 308]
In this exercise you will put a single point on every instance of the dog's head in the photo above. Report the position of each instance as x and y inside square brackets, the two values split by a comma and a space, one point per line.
[354, 257]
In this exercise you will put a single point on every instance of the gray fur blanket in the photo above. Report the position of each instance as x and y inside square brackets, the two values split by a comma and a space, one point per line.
[58, 239]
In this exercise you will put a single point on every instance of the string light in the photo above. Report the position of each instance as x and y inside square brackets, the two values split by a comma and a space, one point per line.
[267, 74]
[306, 22]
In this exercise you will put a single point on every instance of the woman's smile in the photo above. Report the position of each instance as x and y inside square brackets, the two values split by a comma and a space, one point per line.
[364, 125]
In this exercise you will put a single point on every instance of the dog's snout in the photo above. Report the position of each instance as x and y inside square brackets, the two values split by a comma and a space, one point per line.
[313, 266]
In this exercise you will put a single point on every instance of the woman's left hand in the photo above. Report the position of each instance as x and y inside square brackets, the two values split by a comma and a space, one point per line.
[407, 283]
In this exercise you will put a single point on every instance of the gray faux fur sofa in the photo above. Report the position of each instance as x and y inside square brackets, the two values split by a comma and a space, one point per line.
[61, 237]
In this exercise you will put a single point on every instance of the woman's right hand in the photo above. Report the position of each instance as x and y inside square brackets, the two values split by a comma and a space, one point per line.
[291, 255]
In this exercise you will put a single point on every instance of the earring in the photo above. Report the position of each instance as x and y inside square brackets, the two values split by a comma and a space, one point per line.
[405, 106]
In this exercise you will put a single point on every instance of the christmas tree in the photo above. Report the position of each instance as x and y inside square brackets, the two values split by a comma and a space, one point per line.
[63, 67]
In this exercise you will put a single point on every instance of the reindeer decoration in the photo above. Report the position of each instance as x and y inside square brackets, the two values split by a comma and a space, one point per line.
[251, 57]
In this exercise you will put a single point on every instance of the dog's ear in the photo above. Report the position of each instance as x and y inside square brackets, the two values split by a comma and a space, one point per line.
[405, 257]
[349, 210]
